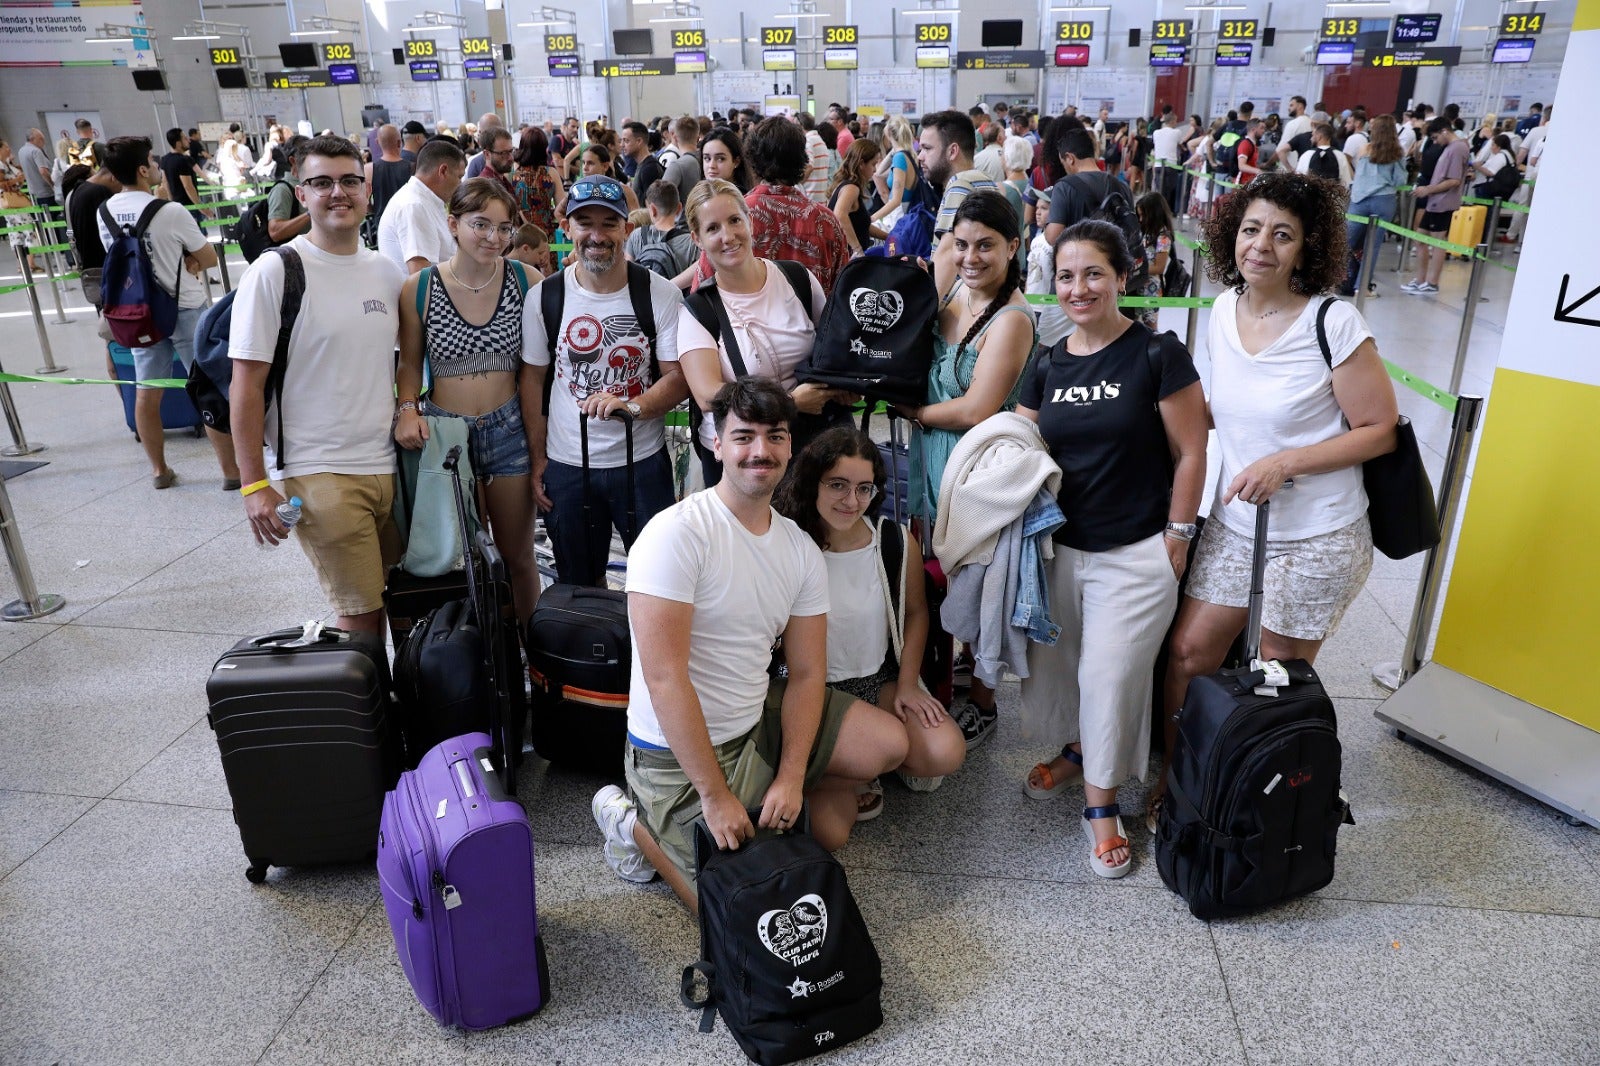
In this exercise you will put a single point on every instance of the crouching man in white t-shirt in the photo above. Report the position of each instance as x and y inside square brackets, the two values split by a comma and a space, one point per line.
[712, 583]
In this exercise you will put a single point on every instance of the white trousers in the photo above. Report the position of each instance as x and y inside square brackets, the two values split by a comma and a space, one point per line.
[1094, 687]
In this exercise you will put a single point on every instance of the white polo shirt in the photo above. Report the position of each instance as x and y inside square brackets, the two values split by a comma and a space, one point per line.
[414, 224]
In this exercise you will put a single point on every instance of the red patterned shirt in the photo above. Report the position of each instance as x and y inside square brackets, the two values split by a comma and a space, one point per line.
[785, 223]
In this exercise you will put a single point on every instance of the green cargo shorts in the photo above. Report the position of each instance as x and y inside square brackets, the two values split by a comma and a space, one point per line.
[667, 801]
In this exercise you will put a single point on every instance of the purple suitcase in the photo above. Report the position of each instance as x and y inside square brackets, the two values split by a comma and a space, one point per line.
[455, 862]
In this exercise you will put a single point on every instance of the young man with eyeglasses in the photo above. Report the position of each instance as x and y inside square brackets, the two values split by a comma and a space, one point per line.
[600, 362]
[336, 400]
[712, 582]
[413, 232]
[497, 157]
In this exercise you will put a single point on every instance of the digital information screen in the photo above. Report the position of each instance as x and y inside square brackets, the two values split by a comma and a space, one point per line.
[424, 70]
[565, 66]
[1234, 53]
[933, 56]
[478, 69]
[1169, 55]
[344, 73]
[1336, 53]
[1513, 50]
[1072, 55]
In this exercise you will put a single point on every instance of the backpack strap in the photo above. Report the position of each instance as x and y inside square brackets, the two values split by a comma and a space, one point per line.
[892, 553]
[294, 289]
[799, 279]
[552, 304]
[644, 312]
[706, 306]
[520, 274]
[424, 277]
[1322, 331]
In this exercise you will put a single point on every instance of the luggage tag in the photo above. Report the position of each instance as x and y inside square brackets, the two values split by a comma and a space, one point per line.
[1276, 676]
[310, 633]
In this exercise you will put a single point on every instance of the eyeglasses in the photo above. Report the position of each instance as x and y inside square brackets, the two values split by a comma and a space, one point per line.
[866, 492]
[503, 151]
[605, 190]
[322, 186]
[485, 229]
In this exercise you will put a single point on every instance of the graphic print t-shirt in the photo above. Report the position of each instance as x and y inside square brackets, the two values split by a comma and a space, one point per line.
[1098, 414]
[601, 348]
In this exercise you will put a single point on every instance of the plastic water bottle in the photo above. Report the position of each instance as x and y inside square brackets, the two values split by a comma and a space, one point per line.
[289, 512]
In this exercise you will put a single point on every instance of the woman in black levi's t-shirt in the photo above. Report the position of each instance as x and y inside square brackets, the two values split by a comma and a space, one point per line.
[1123, 415]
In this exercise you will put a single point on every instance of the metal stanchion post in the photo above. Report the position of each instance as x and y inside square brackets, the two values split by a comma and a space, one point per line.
[1408, 210]
[56, 264]
[222, 265]
[1491, 228]
[1369, 253]
[38, 320]
[1391, 675]
[1468, 313]
[19, 440]
[1194, 290]
[1185, 190]
[32, 603]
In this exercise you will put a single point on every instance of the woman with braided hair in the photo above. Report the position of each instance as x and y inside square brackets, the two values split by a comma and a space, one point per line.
[982, 339]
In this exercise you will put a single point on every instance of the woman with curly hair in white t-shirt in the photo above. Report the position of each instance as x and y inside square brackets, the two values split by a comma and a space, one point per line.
[1294, 424]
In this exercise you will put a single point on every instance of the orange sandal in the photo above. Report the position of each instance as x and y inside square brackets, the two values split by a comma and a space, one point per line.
[1097, 861]
[1051, 786]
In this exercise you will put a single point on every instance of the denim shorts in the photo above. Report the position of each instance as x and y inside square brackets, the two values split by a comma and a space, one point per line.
[499, 448]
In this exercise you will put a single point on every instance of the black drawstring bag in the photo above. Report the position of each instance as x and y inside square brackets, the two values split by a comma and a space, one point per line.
[875, 337]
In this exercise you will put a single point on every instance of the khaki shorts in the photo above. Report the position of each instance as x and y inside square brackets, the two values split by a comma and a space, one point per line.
[1309, 582]
[668, 802]
[348, 533]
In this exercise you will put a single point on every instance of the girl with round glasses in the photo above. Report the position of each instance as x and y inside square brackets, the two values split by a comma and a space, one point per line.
[462, 321]
[878, 614]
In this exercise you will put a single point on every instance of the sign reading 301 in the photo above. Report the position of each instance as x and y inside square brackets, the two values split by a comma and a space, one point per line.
[777, 36]
[476, 46]
[933, 33]
[338, 52]
[561, 42]
[420, 49]
[688, 38]
[225, 57]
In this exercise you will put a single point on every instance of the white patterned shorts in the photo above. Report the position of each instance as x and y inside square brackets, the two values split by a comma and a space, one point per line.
[1309, 582]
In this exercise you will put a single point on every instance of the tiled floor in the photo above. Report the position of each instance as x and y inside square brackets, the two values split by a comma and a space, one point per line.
[1463, 925]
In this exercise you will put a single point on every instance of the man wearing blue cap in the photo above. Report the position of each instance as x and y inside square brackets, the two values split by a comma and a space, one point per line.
[601, 340]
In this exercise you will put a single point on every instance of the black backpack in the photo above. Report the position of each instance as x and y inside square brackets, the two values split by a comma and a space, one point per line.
[251, 231]
[1225, 149]
[211, 376]
[1176, 279]
[1324, 164]
[784, 950]
[875, 336]
[1114, 204]
[1503, 183]
[553, 303]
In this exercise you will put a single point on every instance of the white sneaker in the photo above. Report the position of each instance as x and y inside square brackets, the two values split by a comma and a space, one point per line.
[919, 784]
[616, 815]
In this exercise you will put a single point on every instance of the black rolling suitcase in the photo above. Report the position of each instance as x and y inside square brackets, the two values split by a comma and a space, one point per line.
[580, 657]
[1253, 804]
[458, 670]
[308, 744]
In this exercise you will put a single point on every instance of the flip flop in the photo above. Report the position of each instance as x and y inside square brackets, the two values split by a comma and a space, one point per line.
[1100, 848]
[1051, 785]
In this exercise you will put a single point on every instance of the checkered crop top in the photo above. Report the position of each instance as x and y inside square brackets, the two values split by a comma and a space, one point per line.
[457, 347]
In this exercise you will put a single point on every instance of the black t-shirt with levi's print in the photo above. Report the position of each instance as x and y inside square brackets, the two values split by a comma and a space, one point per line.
[1099, 418]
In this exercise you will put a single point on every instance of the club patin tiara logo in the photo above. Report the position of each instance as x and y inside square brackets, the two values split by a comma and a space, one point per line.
[796, 934]
[877, 311]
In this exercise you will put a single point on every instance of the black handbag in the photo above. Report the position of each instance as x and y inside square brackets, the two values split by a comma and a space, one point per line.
[1400, 499]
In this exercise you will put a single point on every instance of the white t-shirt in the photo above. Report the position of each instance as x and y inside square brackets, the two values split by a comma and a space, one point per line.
[1491, 166]
[858, 626]
[744, 589]
[1168, 142]
[1407, 137]
[1282, 398]
[772, 331]
[1346, 171]
[338, 389]
[1295, 127]
[415, 223]
[1354, 143]
[601, 349]
[172, 232]
[1533, 144]
[815, 184]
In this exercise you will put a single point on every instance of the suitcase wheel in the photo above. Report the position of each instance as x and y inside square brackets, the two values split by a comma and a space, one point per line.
[256, 872]
[198, 430]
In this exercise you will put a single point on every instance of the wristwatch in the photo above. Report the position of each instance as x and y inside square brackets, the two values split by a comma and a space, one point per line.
[633, 408]
[1182, 530]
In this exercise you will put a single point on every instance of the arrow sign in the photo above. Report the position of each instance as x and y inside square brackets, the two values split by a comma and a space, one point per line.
[1564, 314]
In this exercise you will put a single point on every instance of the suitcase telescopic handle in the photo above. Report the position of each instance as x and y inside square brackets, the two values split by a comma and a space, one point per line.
[1258, 581]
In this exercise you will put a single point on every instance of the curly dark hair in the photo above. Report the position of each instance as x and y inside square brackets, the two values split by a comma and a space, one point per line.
[1318, 203]
[776, 151]
[797, 496]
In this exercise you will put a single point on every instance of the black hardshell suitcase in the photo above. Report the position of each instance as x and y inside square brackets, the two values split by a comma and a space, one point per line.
[458, 669]
[580, 658]
[1253, 804]
[309, 747]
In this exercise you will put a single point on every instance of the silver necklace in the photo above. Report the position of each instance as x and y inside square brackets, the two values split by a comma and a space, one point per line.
[1259, 315]
[493, 272]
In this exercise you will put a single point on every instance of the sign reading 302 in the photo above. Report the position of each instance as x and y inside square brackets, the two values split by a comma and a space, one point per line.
[338, 52]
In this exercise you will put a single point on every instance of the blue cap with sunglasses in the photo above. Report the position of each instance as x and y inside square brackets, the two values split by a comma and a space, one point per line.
[598, 192]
